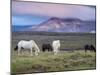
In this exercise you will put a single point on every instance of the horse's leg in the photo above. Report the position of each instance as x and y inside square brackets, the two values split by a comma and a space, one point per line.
[48, 49]
[85, 50]
[31, 51]
[55, 52]
[94, 50]
[43, 50]
[19, 50]
[58, 49]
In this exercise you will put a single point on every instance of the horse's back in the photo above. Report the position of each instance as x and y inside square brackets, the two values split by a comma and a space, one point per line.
[86, 47]
[25, 44]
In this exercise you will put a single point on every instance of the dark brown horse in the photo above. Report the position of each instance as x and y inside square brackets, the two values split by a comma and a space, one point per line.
[46, 47]
[90, 48]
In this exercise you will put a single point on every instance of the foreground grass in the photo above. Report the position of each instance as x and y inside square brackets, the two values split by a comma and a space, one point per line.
[47, 62]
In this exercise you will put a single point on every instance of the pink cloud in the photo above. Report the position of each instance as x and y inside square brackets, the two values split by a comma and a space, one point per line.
[53, 10]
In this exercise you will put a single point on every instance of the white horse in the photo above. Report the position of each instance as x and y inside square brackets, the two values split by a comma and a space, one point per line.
[56, 46]
[27, 45]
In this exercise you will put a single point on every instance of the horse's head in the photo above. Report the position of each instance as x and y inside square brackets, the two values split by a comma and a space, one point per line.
[31, 41]
[58, 41]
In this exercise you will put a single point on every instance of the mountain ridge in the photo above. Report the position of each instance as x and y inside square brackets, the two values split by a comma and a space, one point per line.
[55, 24]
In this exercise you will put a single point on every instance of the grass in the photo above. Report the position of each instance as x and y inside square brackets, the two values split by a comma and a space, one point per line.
[47, 62]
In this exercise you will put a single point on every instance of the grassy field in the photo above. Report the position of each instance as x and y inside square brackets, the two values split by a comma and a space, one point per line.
[47, 62]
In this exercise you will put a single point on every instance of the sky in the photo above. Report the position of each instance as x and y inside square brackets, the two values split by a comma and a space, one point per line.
[34, 13]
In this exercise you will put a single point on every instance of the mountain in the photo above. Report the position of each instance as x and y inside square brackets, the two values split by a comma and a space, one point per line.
[58, 25]
[63, 25]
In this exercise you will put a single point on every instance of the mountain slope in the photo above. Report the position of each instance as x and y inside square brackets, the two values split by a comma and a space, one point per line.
[64, 25]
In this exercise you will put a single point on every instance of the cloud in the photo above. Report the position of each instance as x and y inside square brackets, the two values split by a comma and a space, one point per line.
[27, 19]
[53, 10]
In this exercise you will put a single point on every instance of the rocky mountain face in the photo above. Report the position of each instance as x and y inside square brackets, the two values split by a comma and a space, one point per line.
[64, 25]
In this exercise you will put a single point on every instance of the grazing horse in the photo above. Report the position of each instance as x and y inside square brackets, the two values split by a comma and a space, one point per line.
[92, 48]
[56, 46]
[89, 47]
[27, 45]
[46, 47]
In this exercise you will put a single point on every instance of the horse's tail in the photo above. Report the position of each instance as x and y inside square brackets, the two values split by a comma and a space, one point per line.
[16, 48]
